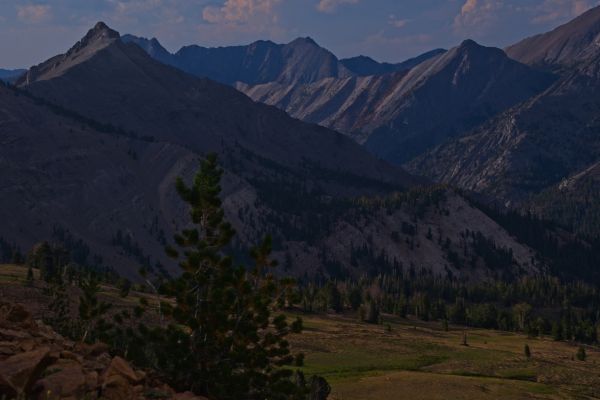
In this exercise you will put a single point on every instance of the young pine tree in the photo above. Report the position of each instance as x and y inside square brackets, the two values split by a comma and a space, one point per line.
[227, 340]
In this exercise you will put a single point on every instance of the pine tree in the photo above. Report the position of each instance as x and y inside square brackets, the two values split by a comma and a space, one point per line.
[527, 351]
[226, 340]
[92, 311]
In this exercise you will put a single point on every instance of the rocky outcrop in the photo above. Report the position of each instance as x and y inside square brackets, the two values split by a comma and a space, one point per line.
[38, 363]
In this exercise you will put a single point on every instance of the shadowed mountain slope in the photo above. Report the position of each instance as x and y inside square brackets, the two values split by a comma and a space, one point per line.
[398, 116]
[539, 143]
[94, 155]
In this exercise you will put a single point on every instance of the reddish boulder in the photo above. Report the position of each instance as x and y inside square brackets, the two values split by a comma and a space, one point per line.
[22, 370]
[120, 367]
[65, 380]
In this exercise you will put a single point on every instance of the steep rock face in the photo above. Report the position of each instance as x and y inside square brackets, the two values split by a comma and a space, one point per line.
[565, 46]
[398, 116]
[533, 146]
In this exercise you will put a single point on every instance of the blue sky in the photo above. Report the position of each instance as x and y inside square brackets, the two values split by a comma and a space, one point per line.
[387, 30]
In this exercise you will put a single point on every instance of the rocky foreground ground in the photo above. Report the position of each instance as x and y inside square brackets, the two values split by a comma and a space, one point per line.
[38, 363]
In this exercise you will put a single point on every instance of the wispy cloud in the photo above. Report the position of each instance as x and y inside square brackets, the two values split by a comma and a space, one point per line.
[397, 22]
[240, 11]
[329, 6]
[34, 13]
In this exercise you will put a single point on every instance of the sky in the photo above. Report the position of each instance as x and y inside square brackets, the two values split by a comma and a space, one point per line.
[387, 30]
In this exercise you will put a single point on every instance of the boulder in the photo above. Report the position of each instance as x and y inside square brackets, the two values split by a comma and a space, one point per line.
[187, 396]
[22, 370]
[117, 387]
[16, 315]
[92, 350]
[120, 367]
[66, 379]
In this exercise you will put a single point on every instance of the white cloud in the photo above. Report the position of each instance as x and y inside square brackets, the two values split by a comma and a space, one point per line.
[477, 14]
[240, 11]
[396, 22]
[329, 6]
[34, 13]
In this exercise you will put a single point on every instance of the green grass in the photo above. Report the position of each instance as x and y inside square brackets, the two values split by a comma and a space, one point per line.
[366, 362]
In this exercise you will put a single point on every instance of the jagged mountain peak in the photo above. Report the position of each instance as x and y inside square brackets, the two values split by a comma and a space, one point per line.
[99, 33]
[304, 41]
[470, 47]
[96, 39]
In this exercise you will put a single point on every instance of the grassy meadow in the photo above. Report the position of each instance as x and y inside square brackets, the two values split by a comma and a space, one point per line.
[406, 359]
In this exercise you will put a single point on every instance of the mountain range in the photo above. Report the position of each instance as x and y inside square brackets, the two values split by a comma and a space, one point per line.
[542, 141]
[298, 62]
[122, 117]
[397, 111]
[510, 125]
[120, 126]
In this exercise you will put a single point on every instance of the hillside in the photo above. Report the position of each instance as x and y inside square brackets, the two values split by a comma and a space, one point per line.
[531, 147]
[399, 116]
[304, 197]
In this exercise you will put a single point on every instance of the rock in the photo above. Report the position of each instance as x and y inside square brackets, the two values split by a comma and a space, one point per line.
[187, 396]
[68, 380]
[117, 387]
[15, 314]
[69, 355]
[120, 367]
[11, 334]
[23, 370]
[27, 345]
[8, 349]
[91, 350]
[91, 380]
